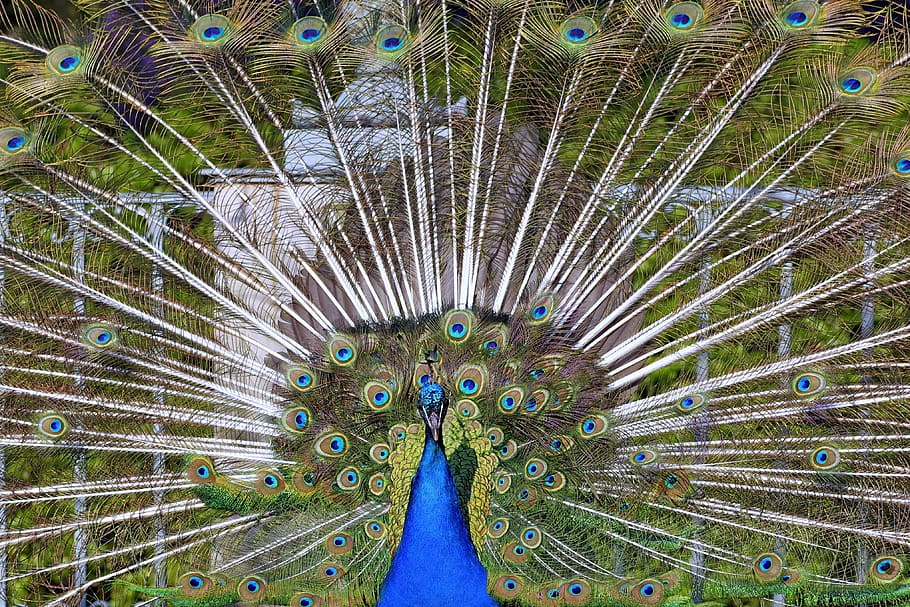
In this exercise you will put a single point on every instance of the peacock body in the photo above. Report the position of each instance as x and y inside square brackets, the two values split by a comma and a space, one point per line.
[448, 303]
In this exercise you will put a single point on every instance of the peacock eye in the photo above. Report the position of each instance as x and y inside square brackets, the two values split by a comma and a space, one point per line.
[375, 530]
[577, 31]
[308, 32]
[251, 588]
[808, 385]
[339, 543]
[800, 14]
[825, 458]
[297, 419]
[379, 453]
[201, 470]
[333, 444]
[100, 337]
[684, 16]
[643, 457]
[471, 379]
[535, 468]
[15, 143]
[342, 351]
[64, 60]
[194, 584]
[901, 165]
[691, 403]
[305, 599]
[391, 39]
[53, 426]
[211, 29]
[797, 18]
[857, 81]
[887, 569]
[300, 378]
[592, 426]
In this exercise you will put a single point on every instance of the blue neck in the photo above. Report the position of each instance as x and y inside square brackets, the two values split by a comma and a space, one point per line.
[435, 564]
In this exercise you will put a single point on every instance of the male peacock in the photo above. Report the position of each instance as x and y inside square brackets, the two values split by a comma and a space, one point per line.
[455, 302]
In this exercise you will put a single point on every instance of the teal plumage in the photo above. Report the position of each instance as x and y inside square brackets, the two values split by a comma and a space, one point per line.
[444, 303]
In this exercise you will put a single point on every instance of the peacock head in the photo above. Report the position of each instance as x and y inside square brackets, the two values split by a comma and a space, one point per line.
[432, 406]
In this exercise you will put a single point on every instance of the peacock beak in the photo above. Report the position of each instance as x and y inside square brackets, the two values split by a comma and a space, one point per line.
[433, 420]
[432, 408]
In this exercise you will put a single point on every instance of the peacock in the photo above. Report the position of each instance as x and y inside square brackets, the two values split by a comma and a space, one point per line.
[455, 303]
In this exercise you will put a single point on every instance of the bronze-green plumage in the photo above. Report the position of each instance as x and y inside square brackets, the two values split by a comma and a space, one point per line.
[454, 303]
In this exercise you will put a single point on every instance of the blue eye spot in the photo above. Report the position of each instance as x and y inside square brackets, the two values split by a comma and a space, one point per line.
[15, 143]
[681, 20]
[647, 590]
[553, 593]
[531, 404]
[903, 166]
[330, 571]
[202, 472]
[103, 337]
[510, 585]
[213, 33]
[301, 420]
[765, 564]
[468, 386]
[56, 425]
[575, 589]
[252, 586]
[530, 535]
[392, 43]
[457, 330]
[884, 566]
[340, 541]
[306, 602]
[589, 426]
[519, 550]
[375, 527]
[337, 445]
[352, 477]
[803, 384]
[785, 578]
[381, 397]
[493, 346]
[536, 374]
[270, 480]
[68, 64]
[539, 312]
[310, 35]
[797, 18]
[497, 525]
[687, 402]
[195, 582]
[576, 34]
[821, 457]
[851, 85]
[304, 380]
[424, 379]
[523, 494]
[344, 354]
